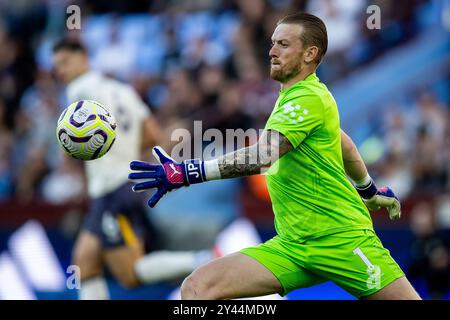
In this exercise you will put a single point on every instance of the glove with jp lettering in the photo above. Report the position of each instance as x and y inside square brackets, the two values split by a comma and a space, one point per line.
[165, 176]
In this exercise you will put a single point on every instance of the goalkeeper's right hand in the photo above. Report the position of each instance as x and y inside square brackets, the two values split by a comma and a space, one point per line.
[377, 198]
[165, 176]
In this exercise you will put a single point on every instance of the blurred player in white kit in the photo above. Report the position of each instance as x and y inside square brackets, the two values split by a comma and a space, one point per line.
[116, 233]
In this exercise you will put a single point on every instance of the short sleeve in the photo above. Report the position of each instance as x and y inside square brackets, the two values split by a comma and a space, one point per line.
[296, 117]
[135, 102]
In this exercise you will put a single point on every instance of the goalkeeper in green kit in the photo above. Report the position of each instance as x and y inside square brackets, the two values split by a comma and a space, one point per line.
[324, 229]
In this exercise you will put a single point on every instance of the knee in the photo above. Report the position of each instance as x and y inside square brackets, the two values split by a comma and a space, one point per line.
[123, 271]
[127, 279]
[193, 288]
[88, 260]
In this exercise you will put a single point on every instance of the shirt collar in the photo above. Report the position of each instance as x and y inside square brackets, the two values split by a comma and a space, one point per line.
[310, 77]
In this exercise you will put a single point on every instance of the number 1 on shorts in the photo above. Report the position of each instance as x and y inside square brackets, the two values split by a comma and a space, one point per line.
[363, 257]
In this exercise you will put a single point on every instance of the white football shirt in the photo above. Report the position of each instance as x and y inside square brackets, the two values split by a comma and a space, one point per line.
[109, 172]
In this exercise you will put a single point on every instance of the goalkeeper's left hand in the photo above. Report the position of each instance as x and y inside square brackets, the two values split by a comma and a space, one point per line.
[377, 198]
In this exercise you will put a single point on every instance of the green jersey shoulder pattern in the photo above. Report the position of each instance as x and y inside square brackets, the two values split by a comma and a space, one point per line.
[310, 193]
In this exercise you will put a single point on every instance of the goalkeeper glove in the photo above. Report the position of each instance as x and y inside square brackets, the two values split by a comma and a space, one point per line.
[377, 198]
[167, 175]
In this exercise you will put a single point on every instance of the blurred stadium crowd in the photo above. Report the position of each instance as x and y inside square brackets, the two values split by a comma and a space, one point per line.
[208, 60]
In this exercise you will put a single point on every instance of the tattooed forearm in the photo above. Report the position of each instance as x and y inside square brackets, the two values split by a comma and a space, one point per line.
[239, 163]
[250, 160]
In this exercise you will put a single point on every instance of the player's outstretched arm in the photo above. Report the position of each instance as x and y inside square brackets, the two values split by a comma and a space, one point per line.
[374, 198]
[168, 175]
[253, 159]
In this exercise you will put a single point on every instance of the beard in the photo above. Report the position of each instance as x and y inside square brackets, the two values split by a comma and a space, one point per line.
[284, 73]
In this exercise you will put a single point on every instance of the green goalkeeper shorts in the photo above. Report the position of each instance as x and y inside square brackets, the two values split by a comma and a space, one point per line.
[354, 260]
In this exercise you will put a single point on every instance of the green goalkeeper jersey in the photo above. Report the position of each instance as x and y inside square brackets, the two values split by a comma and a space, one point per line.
[311, 195]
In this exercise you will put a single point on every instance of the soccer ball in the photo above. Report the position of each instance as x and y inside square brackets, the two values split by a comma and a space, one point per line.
[86, 130]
